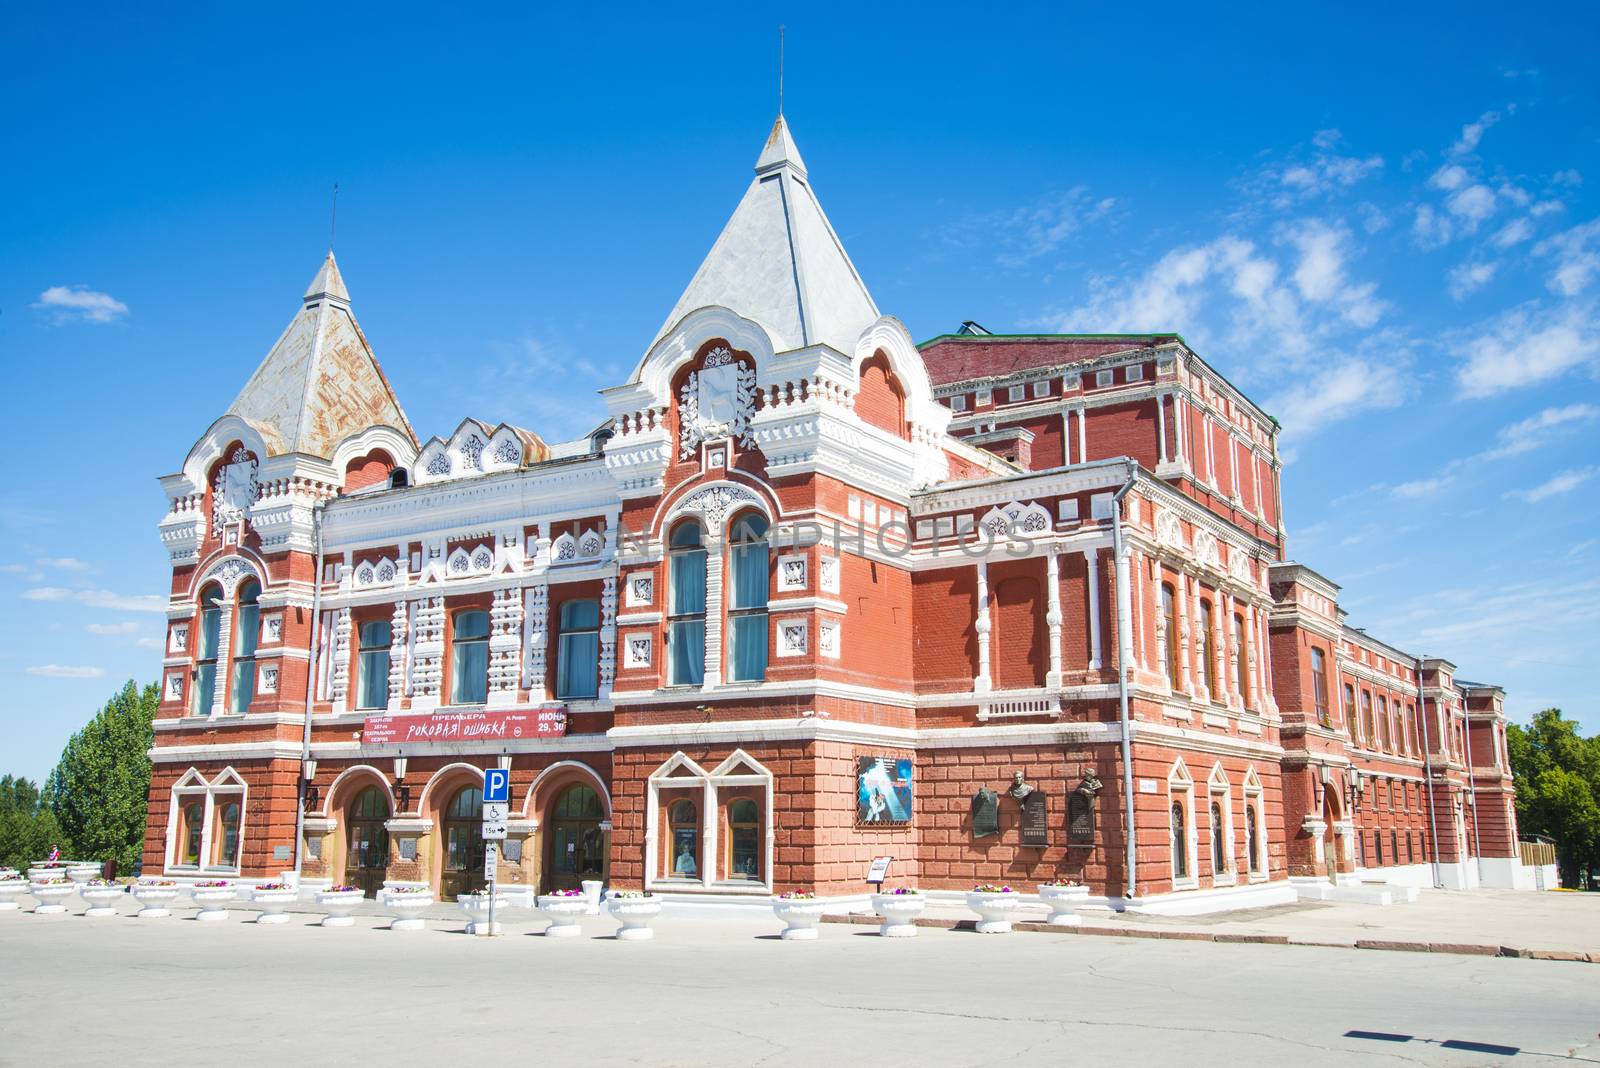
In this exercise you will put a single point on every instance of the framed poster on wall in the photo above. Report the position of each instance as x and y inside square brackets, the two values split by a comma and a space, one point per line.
[883, 790]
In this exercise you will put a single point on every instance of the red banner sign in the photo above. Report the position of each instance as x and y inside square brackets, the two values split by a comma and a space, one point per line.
[492, 726]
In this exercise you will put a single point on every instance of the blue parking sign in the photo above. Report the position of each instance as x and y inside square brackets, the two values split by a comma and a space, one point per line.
[496, 785]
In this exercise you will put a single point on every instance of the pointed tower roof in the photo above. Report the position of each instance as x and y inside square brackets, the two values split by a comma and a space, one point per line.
[779, 262]
[320, 383]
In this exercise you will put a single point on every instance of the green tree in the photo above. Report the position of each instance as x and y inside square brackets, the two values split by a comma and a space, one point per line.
[98, 792]
[27, 828]
[1558, 790]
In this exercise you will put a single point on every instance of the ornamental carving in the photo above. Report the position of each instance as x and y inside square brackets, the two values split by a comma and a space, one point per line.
[1030, 519]
[716, 401]
[1169, 530]
[715, 502]
[440, 464]
[235, 489]
[472, 452]
[506, 452]
[230, 573]
[1205, 549]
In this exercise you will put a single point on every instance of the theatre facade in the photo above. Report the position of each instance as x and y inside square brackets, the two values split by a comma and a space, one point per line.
[1003, 608]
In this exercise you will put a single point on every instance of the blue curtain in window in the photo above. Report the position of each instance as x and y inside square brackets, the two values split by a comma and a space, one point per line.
[686, 638]
[749, 576]
[469, 669]
[578, 661]
[210, 631]
[688, 583]
[205, 688]
[749, 647]
[374, 678]
[688, 647]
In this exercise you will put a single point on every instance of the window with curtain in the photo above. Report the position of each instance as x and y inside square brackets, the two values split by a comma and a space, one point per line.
[1169, 628]
[246, 632]
[1368, 729]
[686, 607]
[1319, 685]
[1208, 660]
[578, 650]
[1180, 846]
[1219, 843]
[744, 839]
[1252, 839]
[225, 835]
[1349, 699]
[372, 673]
[683, 826]
[1385, 741]
[205, 651]
[747, 600]
[1242, 667]
[469, 658]
[193, 814]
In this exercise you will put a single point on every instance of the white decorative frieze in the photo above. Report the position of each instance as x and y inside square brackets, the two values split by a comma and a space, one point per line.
[608, 634]
[641, 589]
[715, 503]
[1169, 529]
[341, 659]
[398, 645]
[1205, 549]
[716, 401]
[793, 637]
[235, 488]
[505, 646]
[1027, 520]
[536, 637]
[637, 648]
[792, 573]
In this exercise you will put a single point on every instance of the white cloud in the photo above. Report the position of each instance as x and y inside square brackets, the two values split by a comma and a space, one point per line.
[129, 627]
[63, 563]
[1450, 176]
[1468, 278]
[1525, 346]
[1475, 203]
[1576, 255]
[1429, 229]
[99, 599]
[1569, 177]
[1537, 430]
[62, 671]
[1325, 172]
[1513, 232]
[1019, 236]
[1473, 132]
[1422, 487]
[1338, 392]
[1565, 482]
[80, 302]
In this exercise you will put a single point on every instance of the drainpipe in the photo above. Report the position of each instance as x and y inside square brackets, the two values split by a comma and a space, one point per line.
[1427, 766]
[1124, 665]
[311, 683]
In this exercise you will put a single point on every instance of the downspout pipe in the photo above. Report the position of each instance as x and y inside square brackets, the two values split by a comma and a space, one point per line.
[311, 689]
[1427, 766]
[1124, 665]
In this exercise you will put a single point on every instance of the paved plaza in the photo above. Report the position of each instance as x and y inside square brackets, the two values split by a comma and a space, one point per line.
[724, 990]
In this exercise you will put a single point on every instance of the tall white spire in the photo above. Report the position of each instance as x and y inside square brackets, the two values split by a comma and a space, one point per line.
[779, 262]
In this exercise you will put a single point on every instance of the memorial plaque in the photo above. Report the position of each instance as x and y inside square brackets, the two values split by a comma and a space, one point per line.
[1035, 821]
[1080, 819]
[408, 849]
[985, 813]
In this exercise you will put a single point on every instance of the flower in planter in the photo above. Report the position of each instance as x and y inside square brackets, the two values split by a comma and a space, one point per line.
[901, 890]
[50, 882]
[408, 890]
[272, 886]
[1060, 881]
[630, 895]
[796, 895]
[990, 888]
[565, 893]
[94, 884]
[213, 884]
[340, 889]
[158, 882]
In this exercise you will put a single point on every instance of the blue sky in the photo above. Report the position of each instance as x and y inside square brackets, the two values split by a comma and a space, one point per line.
[1381, 222]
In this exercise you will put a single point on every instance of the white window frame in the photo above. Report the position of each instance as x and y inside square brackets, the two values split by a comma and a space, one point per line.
[228, 783]
[739, 769]
[1180, 782]
[1016, 393]
[1253, 800]
[1041, 388]
[1219, 791]
[1134, 373]
[982, 397]
[958, 403]
[1107, 377]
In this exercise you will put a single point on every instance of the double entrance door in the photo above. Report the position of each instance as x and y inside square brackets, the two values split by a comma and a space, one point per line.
[462, 871]
[366, 860]
[577, 845]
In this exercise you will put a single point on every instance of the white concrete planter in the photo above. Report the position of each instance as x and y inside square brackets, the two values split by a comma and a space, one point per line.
[564, 913]
[213, 902]
[994, 910]
[636, 914]
[154, 900]
[476, 906]
[274, 903]
[899, 912]
[406, 909]
[51, 896]
[339, 904]
[38, 873]
[83, 871]
[591, 894]
[102, 900]
[1063, 902]
[10, 890]
[800, 917]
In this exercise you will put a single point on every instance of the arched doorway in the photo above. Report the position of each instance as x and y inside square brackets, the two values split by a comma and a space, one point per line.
[1331, 841]
[462, 871]
[366, 856]
[577, 845]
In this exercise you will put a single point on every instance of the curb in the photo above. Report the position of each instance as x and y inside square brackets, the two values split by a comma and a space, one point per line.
[1465, 949]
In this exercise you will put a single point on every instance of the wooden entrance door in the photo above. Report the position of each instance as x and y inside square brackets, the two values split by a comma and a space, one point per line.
[366, 856]
[577, 847]
[463, 844]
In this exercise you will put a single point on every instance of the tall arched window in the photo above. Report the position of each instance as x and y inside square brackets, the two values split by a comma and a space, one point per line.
[1169, 629]
[1180, 842]
[578, 650]
[744, 840]
[1252, 840]
[372, 675]
[469, 658]
[205, 651]
[1219, 843]
[1319, 686]
[1384, 740]
[747, 599]
[1367, 727]
[1208, 658]
[1242, 664]
[683, 825]
[246, 633]
[686, 607]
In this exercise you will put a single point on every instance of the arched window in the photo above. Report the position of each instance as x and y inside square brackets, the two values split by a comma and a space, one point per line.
[578, 650]
[1180, 843]
[1368, 729]
[372, 675]
[1319, 685]
[683, 825]
[1384, 739]
[1242, 660]
[1349, 702]
[225, 839]
[1252, 840]
[194, 822]
[744, 838]
[1208, 660]
[469, 658]
[205, 651]
[246, 632]
[1169, 630]
[747, 600]
[1219, 843]
[686, 607]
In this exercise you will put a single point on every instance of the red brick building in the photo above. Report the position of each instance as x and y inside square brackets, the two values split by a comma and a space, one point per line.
[811, 596]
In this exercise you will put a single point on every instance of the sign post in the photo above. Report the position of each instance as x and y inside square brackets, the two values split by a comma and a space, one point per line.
[496, 802]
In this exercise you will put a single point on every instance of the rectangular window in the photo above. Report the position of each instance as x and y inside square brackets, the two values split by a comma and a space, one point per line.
[1041, 388]
[1134, 373]
[1017, 393]
[226, 810]
[1105, 378]
[747, 599]
[246, 633]
[686, 631]
[469, 658]
[958, 403]
[578, 651]
[205, 668]
[1319, 685]
[372, 673]
[983, 397]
